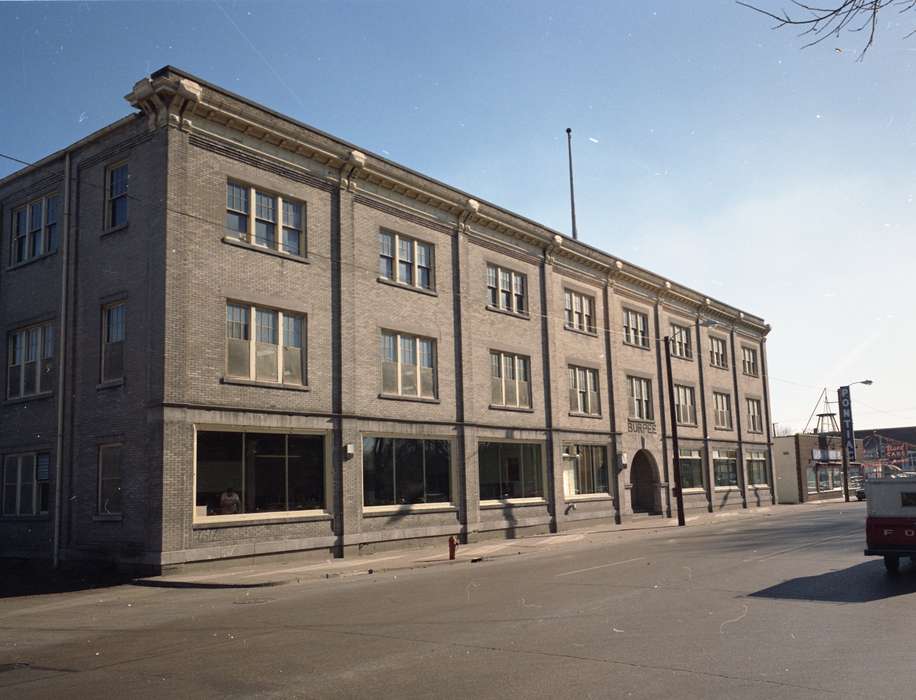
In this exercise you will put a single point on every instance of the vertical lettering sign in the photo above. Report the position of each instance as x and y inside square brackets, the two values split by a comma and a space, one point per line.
[849, 438]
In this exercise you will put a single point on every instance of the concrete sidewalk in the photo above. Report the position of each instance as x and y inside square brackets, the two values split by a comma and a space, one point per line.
[298, 568]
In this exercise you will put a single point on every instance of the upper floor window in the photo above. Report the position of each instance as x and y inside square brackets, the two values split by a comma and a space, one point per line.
[635, 328]
[274, 353]
[749, 361]
[113, 334]
[116, 194]
[277, 223]
[579, 311]
[25, 484]
[510, 381]
[640, 398]
[685, 405]
[723, 410]
[680, 341]
[718, 355]
[35, 229]
[406, 260]
[583, 391]
[754, 416]
[408, 365]
[507, 290]
[30, 361]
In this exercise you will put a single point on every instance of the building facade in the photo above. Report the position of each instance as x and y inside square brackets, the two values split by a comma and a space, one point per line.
[230, 334]
[809, 467]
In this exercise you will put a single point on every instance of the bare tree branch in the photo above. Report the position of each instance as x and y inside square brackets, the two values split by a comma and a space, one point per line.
[822, 23]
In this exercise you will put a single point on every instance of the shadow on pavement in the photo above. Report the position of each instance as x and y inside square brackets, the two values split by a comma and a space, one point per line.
[27, 580]
[862, 583]
[153, 583]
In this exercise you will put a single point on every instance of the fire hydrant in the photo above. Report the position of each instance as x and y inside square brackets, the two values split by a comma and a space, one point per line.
[452, 546]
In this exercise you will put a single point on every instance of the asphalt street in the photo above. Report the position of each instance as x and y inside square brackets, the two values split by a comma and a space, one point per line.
[784, 606]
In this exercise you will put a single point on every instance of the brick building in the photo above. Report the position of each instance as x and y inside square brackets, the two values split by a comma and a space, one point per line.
[232, 334]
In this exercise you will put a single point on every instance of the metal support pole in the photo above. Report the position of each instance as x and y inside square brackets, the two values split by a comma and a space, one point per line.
[678, 492]
[572, 194]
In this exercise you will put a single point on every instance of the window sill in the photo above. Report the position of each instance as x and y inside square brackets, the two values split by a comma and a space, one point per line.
[408, 287]
[24, 518]
[687, 425]
[638, 346]
[506, 312]
[415, 399]
[723, 489]
[512, 409]
[762, 487]
[580, 497]
[250, 519]
[408, 509]
[264, 385]
[110, 384]
[267, 251]
[693, 490]
[30, 397]
[509, 502]
[116, 229]
[576, 414]
[723, 429]
[573, 329]
[16, 266]
[107, 517]
[685, 358]
[722, 367]
[748, 374]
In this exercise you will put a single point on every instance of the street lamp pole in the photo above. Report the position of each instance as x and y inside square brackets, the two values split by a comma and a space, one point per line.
[678, 492]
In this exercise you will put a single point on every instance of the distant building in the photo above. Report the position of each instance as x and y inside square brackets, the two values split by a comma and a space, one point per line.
[892, 448]
[809, 467]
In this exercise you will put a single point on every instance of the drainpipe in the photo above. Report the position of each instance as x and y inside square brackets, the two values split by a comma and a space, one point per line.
[61, 364]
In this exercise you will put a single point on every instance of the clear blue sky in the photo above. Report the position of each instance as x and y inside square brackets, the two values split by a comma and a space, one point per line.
[708, 148]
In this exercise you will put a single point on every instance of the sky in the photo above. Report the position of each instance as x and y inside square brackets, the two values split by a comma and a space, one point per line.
[708, 147]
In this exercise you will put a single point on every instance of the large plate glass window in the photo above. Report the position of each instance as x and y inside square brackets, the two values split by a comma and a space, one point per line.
[510, 382]
[406, 260]
[691, 468]
[510, 470]
[408, 365]
[30, 361]
[757, 468]
[251, 472]
[585, 469]
[725, 467]
[403, 471]
[277, 223]
[274, 353]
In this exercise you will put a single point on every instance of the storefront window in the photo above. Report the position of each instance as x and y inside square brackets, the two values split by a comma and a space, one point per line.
[585, 469]
[757, 468]
[399, 471]
[691, 469]
[510, 470]
[241, 473]
[725, 467]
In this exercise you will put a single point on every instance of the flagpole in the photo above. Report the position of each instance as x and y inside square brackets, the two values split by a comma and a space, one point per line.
[572, 194]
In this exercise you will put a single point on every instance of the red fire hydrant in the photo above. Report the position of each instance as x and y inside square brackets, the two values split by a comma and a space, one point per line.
[452, 546]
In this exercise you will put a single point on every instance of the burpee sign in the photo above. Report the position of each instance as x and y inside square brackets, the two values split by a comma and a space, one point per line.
[849, 438]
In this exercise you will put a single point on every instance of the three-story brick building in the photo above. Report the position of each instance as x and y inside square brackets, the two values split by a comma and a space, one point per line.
[231, 334]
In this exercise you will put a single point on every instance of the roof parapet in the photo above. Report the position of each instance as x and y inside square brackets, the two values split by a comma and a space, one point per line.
[164, 98]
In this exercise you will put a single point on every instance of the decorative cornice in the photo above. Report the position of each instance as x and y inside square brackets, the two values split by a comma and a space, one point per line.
[164, 99]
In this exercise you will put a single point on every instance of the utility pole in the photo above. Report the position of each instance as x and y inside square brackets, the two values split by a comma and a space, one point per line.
[572, 194]
[678, 492]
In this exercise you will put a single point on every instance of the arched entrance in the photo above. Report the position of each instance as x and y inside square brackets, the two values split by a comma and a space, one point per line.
[644, 483]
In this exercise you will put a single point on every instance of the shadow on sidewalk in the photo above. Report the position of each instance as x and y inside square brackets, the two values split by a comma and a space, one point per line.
[862, 583]
[155, 583]
[27, 579]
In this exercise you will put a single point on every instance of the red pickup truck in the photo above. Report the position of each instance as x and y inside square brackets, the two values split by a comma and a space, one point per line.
[890, 528]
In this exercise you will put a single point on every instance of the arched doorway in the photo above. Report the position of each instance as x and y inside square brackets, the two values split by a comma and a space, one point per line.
[644, 483]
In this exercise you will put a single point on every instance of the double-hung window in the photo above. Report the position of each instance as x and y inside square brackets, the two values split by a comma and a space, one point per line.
[277, 222]
[109, 479]
[510, 380]
[685, 405]
[116, 196]
[725, 467]
[749, 361]
[507, 290]
[640, 398]
[691, 468]
[583, 391]
[579, 311]
[635, 328]
[757, 468]
[113, 334]
[404, 471]
[25, 484]
[723, 410]
[35, 229]
[30, 361]
[273, 353]
[718, 354]
[406, 260]
[680, 342]
[408, 365]
[754, 416]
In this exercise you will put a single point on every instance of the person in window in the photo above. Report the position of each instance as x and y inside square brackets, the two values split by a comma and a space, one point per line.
[229, 502]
